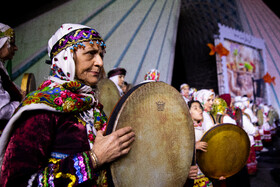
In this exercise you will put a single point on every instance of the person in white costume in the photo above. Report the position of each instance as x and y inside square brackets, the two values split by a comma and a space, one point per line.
[206, 98]
[196, 111]
[249, 128]
[184, 90]
[248, 110]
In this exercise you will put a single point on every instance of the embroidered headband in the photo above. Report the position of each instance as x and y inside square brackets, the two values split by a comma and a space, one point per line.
[74, 40]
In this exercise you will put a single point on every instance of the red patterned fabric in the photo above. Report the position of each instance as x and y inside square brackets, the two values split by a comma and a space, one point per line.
[252, 162]
[27, 153]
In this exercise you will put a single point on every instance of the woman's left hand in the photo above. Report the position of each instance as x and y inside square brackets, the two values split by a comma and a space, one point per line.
[108, 148]
[193, 172]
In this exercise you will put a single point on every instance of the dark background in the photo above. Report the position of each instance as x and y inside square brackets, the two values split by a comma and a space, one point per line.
[14, 13]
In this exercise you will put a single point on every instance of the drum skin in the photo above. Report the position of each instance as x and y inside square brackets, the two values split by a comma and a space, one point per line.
[162, 152]
[28, 83]
[227, 152]
[108, 95]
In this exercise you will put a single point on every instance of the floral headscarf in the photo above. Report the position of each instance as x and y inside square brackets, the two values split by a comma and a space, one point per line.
[238, 103]
[6, 33]
[62, 44]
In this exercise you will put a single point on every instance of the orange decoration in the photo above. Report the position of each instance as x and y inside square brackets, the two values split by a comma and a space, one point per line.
[268, 79]
[220, 49]
[212, 47]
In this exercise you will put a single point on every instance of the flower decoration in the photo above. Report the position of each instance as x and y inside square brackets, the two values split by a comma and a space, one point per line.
[220, 49]
[268, 79]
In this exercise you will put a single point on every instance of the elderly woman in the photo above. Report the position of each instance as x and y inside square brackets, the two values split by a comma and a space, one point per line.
[206, 98]
[10, 96]
[56, 136]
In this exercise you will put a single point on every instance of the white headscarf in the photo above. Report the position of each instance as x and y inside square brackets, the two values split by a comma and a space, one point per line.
[63, 65]
[239, 102]
[115, 79]
[6, 32]
[203, 95]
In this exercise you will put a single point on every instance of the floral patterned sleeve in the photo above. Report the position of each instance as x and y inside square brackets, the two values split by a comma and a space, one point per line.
[43, 151]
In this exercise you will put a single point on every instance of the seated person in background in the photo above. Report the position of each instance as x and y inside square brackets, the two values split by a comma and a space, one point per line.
[10, 96]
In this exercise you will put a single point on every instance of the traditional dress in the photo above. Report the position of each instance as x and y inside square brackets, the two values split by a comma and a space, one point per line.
[273, 117]
[266, 128]
[201, 180]
[251, 131]
[207, 123]
[47, 141]
[10, 96]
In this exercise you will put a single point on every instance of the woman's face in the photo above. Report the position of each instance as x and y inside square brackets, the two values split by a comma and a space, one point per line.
[89, 61]
[196, 112]
[208, 104]
[121, 80]
[7, 52]
[185, 91]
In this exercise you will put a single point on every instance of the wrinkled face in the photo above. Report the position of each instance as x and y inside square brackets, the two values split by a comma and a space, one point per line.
[185, 91]
[196, 112]
[208, 104]
[89, 62]
[121, 80]
[7, 52]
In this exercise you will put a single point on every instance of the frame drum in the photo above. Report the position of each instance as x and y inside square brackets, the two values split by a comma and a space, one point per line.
[227, 153]
[28, 83]
[108, 95]
[162, 152]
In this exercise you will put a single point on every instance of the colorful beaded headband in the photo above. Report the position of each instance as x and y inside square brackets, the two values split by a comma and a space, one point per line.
[75, 39]
[7, 33]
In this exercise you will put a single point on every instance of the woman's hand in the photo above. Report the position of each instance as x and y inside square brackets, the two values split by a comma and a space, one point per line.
[118, 143]
[193, 172]
[201, 146]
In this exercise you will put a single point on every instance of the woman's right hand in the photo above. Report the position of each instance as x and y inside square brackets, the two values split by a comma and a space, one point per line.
[201, 146]
[118, 143]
